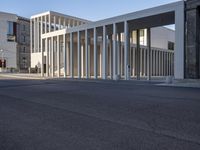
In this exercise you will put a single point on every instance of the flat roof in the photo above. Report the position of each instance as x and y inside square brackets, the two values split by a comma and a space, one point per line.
[167, 8]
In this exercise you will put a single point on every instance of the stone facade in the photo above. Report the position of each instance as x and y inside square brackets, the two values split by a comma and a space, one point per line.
[192, 50]
[23, 44]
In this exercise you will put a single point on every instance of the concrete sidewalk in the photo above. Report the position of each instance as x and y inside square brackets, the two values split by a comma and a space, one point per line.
[190, 83]
[20, 76]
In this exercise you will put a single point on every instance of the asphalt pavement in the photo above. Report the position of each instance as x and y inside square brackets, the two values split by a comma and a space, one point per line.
[97, 115]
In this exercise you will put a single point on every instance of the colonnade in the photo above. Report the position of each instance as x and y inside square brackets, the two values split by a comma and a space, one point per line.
[104, 52]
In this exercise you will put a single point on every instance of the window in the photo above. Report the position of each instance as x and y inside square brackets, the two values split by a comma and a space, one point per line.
[170, 45]
[11, 33]
[142, 37]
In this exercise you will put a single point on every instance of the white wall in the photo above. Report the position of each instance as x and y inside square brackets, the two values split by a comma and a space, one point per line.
[9, 48]
[160, 37]
[36, 58]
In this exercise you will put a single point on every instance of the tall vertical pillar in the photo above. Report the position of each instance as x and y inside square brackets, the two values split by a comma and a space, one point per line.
[38, 34]
[110, 57]
[58, 56]
[138, 55]
[64, 55]
[82, 60]
[95, 53]
[179, 39]
[161, 71]
[115, 53]
[126, 51]
[34, 37]
[141, 61]
[86, 55]
[47, 57]
[149, 58]
[104, 52]
[119, 55]
[68, 57]
[52, 57]
[41, 47]
[144, 61]
[133, 69]
[71, 56]
[79, 54]
[31, 35]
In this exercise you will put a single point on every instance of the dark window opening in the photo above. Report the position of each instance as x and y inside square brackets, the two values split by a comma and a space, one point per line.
[12, 31]
[170, 45]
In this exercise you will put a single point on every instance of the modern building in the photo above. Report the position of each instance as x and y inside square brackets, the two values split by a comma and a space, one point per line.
[133, 45]
[8, 45]
[14, 36]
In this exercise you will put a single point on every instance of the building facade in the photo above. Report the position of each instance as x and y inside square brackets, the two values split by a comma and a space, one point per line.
[8, 33]
[14, 36]
[23, 44]
[130, 46]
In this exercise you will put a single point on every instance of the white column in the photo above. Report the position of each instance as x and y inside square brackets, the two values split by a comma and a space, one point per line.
[126, 50]
[149, 54]
[34, 37]
[162, 63]
[47, 57]
[71, 56]
[167, 63]
[179, 40]
[89, 57]
[86, 55]
[118, 55]
[104, 53]
[38, 35]
[144, 61]
[141, 61]
[100, 59]
[138, 55]
[153, 54]
[31, 36]
[79, 54]
[157, 63]
[68, 57]
[58, 56]
[82, 60]
[52, 57]
[133, 62]
[95, 53]
[110, 57]
[115, 53]
[64, 55]
[41, 47]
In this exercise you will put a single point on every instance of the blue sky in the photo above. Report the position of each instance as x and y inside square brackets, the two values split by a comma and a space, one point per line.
[87, 9]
